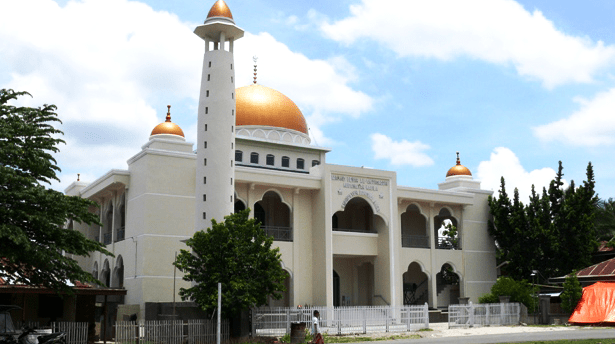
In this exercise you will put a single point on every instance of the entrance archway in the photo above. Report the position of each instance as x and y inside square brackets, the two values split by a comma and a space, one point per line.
[416, 285]
[447, 281]
[357, 216]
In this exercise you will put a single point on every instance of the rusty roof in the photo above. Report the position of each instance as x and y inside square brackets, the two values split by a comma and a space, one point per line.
[604, 269]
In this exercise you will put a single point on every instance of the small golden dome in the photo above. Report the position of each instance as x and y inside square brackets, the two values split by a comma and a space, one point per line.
[260, 105]
[458, 169]
[168, 127]
[220, 9]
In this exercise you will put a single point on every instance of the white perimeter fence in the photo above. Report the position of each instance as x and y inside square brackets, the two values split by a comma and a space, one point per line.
[76, 332]
[483, 314]
[341, 320]
[170, 332]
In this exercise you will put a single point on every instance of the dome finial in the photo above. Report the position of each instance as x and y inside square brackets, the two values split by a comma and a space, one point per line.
[458, 169]
[168, 127]
[220, 9]
[78, 176]
[254, 58]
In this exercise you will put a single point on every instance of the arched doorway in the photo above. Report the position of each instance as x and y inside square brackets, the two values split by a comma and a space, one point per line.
[443, 223]
[105, 274]
[95, 270]
[416, 285]
[357, 216]
[447, 281]
[239, 206]
[118, 273]
[414, 230]
[274, 216]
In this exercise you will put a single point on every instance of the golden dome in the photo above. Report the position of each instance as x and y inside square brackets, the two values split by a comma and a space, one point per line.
[260, 105]
[458, 169]
[220, 9]
[168, 127]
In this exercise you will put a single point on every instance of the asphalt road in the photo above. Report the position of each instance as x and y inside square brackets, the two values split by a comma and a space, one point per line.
[518, 337]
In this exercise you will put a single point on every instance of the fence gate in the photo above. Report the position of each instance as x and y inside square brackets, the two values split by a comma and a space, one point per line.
[484, 314]
[170, 332]
[268, 321]
[76, 332]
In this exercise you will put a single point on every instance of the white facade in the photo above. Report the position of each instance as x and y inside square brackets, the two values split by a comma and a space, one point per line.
[348, 235]
[216, 122]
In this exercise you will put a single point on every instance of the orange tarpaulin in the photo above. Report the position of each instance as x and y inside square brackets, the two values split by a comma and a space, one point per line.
[597, 305]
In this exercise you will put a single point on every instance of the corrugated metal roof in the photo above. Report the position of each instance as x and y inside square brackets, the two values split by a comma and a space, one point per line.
[604, 269]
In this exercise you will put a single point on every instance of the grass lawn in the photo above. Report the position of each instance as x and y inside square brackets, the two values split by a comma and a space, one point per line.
[579, 341]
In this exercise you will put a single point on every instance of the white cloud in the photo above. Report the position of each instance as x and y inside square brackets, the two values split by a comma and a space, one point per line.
[319, 87]
[495, 31]
[102, 62]
[591, 126]
[504, 163]
[400, 152]
[315, 85]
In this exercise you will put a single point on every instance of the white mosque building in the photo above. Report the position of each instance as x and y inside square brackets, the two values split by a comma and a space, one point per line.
[349, 236]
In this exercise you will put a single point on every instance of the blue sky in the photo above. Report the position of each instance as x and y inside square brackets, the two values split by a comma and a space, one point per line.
[389, 84]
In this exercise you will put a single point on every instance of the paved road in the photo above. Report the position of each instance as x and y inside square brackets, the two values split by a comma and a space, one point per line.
[518, 337]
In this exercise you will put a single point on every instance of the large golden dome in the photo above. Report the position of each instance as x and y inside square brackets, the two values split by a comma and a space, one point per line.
[263, 106]
[458, 169]
[220, 9]
[168, 127]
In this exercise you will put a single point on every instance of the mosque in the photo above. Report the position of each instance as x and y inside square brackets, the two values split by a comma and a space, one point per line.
[349, 236]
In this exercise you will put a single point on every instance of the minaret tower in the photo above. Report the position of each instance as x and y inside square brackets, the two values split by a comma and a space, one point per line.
[215, 171]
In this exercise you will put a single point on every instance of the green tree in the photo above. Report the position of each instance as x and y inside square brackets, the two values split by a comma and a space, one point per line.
[553, 233]
[236, 253]
[519, 291]
[572, 292]
[451, 237]
[605, 220]
[35, 245]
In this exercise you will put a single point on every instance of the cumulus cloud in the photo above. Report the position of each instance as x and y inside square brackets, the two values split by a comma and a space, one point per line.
[321, 88]
[495, 31]
[102, 62]
[400, 152]
[105, 63]
[315, 85]
[504, 163]
[591, 126]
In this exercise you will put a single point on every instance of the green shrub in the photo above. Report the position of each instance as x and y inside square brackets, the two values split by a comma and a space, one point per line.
[572, 292]
[519, 291]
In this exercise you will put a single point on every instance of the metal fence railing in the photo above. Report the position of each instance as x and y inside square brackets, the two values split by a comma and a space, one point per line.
[417, 241]
[279, 233]
[484, 314]
[170, 332]
[76, 332]
[341, 320]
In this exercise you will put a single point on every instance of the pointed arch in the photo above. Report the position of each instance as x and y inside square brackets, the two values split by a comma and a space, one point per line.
[414, 227]
[274, 215]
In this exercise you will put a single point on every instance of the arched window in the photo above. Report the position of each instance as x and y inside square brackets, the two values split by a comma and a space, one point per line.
[315, 163]
[285, 161]
[270, 160]
[254, 158]
[300, 164]
[238, 156]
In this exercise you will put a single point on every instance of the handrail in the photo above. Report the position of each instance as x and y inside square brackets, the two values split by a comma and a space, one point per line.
[383, 299]
[354, 230]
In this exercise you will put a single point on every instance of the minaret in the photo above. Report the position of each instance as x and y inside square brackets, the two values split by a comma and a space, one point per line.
[215, 171]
